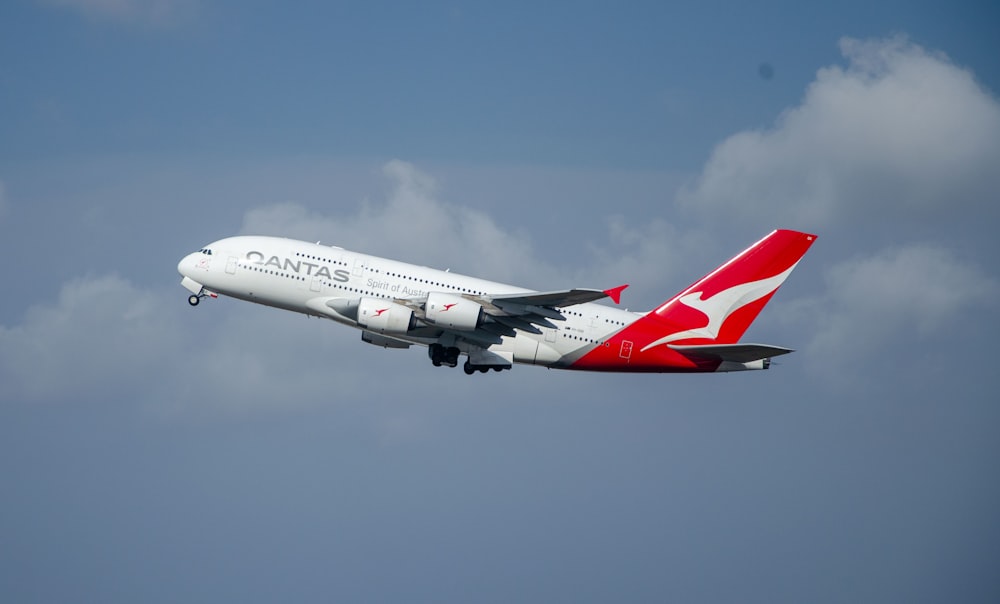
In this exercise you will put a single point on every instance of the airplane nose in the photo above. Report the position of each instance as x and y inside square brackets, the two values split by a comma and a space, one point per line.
[186, 264]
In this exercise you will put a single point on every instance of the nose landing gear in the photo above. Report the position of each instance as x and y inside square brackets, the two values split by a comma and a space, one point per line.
[194, 299]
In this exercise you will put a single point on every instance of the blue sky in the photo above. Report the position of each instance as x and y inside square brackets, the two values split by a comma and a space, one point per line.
[154, 452]
[637, 85]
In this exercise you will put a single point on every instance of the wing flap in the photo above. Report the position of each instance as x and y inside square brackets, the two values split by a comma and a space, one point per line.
[499, 329]
[518, 323]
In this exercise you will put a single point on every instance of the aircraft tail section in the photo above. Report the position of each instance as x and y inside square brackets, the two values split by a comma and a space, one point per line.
[719, 307]
[699, 328]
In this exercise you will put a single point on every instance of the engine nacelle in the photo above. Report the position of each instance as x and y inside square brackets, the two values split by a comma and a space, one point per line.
[383, 316]
[453, 312]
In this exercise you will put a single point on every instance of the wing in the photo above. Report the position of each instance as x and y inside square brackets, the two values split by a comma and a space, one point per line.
[484, 322]
[506, 314]
[529, 311]
[562, 298]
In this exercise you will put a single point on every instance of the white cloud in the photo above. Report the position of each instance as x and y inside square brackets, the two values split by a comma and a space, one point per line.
[655, 258]
[898, 134]
[152, 12]
[104, 338]
[890, 304]
[98, 337]
[412, 224]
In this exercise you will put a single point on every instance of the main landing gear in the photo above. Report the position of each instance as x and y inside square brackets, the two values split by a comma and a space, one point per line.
[469, 368]
[442, 355]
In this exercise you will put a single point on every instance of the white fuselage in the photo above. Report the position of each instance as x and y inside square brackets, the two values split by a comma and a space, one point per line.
[311, 279]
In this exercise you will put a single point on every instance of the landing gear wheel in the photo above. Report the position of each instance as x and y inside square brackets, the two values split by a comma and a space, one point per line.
[443, 356]
[436, 353]
[193, 300]
[451, 356]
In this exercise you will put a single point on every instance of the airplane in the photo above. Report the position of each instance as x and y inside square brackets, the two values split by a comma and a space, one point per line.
[398, 305]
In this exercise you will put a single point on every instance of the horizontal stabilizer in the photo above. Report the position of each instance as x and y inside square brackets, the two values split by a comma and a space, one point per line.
[736, 353]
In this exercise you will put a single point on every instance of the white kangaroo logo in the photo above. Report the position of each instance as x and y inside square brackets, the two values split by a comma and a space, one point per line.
[719, 307]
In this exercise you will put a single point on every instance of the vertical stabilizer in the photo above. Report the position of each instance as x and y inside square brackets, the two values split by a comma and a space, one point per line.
[698, 330]
[720, 306]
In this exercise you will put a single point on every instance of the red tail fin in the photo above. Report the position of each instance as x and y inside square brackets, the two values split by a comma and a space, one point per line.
[720, 306]
[697, 330]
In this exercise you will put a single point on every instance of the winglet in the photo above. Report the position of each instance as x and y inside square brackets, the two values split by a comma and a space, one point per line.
[615, 293]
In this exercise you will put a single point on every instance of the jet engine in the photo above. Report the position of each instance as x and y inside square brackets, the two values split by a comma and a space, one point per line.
[453, 312]
[383, 316]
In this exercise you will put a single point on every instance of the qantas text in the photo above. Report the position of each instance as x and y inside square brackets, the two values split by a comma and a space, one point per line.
[300, 267]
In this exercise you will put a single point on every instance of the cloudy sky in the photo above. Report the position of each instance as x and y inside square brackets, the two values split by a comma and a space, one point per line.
[157, 453]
